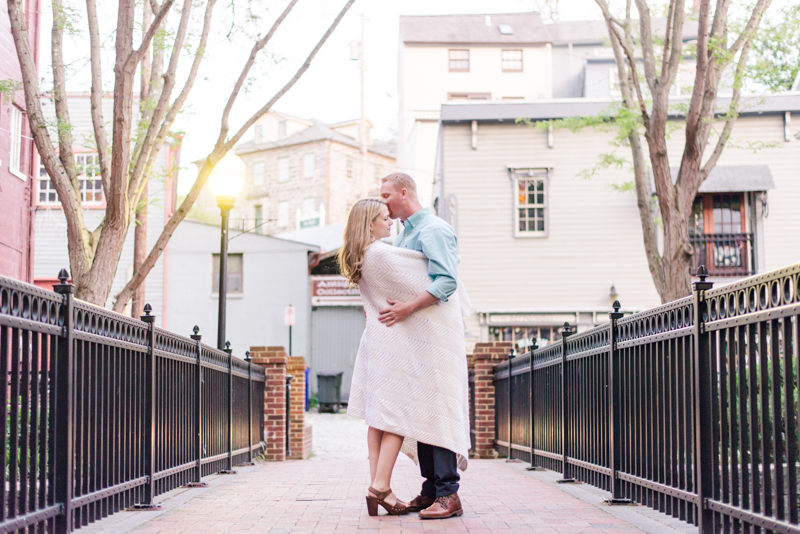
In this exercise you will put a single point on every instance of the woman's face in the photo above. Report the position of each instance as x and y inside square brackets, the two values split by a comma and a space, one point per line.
[381, 226]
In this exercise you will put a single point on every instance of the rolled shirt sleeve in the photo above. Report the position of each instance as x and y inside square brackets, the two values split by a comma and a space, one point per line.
[441, 249]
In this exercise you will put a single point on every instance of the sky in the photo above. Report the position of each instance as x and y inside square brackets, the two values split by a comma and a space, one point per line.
[328, 91]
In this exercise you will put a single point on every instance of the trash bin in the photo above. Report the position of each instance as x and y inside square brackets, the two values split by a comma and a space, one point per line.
[306, 378]
[329, 391]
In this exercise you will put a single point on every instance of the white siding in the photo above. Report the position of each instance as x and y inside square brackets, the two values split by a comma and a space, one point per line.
[594, 232]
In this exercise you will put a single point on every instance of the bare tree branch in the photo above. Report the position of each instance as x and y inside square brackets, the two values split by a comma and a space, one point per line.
[63, 128]
[160, 110]
[250, 62]
[220, 149]
[673, 44]
[100, 137]
[648, 55]
[176, 106]
[750, 28]
[160, 15]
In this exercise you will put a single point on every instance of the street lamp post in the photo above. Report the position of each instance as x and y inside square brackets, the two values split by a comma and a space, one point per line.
[226, 181]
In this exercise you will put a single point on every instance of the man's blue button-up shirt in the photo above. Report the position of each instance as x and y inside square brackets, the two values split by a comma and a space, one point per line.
[436, 239]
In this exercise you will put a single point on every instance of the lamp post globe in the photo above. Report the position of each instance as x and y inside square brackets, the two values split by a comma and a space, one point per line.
[226, 183]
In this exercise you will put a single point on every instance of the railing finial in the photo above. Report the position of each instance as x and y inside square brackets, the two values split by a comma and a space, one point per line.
[247, 357]
[566, 330]
[196, 329]
[616, 306]
[63, 276]
[702, 273]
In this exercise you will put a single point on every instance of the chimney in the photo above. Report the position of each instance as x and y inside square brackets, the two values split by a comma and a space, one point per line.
[488, 21]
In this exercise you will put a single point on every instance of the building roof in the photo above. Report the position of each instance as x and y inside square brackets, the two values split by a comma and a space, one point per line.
[559, 108]
[526, 28]
[731, 179]
[328, 238]
[319, 131]
[584, 32]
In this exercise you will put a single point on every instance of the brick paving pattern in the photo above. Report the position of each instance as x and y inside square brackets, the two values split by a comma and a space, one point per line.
[298, 497]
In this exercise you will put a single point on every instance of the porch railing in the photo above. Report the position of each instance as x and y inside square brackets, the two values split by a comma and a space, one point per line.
[723, 254]
[105, 412]
[689, 408]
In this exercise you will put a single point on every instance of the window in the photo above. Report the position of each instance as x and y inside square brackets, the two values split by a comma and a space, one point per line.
[378, 174]
[523, 336]
[88, 167]
[282, 129]
[259, 134]
[469, 96]
[613, 82]
[259, 218]
[283, 170]
[15, 146]
[459, 60]
[309, 206]
[47, 192]
[309, 165]
[235, 264]
[258, 173]
[512, 60]
[717, 231]
[530, 209]
[350, 168]
[283, 214]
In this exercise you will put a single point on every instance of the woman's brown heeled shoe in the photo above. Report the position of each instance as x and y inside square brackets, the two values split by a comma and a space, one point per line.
[399, 508]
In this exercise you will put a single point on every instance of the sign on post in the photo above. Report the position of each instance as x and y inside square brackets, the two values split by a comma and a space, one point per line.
[288, 316]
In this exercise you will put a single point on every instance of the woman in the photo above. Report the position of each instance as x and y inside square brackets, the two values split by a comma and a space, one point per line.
[410, 379]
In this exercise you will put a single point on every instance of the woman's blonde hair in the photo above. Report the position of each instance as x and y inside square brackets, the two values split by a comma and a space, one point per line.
[357, 237]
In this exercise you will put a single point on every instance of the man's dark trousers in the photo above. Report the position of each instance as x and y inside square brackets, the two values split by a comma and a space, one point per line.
[440, 468]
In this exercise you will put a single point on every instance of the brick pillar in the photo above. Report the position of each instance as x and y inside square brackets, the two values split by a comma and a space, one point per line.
[273, 360]
[484, 358]
[299, 442]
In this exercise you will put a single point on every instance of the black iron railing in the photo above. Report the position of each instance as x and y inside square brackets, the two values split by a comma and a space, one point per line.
[105, 412]
[690, 408]
[723, 254]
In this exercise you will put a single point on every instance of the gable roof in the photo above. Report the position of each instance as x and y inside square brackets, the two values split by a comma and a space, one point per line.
[595, 31]
[527, 28]
[319, 131]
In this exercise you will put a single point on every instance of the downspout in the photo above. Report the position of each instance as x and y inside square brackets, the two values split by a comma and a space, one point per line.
[439, 171]
[32, 158]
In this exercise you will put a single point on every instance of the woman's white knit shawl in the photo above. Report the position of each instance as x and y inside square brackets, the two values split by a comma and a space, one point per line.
[411, 378]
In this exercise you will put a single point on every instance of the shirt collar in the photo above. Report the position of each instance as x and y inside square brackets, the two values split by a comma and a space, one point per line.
[415, 219]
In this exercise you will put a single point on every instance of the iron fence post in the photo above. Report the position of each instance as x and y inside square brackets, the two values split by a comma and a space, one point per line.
[614, 416]
[565, 333]
[533, 466]
[229, 470]
[198, 413]
[149, 456]
[703, 399]
[249, 410]
[64, 408]
[511, 356]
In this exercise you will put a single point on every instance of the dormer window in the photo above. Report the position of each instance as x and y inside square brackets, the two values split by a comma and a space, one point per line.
[505, 29]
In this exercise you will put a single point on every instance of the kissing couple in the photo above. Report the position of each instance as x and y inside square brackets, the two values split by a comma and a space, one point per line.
[410, 376]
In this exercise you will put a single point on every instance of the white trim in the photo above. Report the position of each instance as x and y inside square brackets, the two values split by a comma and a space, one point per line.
[15, 144]
[18, 174]
[530, 234]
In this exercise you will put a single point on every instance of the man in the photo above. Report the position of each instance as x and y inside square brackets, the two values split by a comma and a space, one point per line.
[430, 235]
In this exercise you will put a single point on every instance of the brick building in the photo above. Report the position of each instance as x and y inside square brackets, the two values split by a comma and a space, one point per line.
[18, 158]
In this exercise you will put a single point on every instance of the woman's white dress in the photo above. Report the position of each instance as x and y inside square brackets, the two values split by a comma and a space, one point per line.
[411, 378]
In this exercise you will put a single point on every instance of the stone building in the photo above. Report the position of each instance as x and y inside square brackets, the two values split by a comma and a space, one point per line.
[305, 173]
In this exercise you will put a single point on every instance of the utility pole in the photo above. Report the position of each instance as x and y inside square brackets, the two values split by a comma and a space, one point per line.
[362, 130]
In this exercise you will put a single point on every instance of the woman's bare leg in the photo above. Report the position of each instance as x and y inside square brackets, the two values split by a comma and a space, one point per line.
[374, 437]
[390, 447]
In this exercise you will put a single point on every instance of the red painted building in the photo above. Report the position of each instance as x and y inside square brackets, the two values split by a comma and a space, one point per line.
[18, 158]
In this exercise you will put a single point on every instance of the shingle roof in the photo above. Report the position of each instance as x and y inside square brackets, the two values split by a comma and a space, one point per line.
[596, 32]
[731, 179]
[559, 108]
[468, 29]
[319, 131]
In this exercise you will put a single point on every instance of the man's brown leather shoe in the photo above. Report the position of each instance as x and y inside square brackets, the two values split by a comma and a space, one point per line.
[420, 502]
[444, 507]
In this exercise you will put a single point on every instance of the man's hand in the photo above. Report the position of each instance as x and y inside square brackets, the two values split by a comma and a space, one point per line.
[396, 312]
[399, 311]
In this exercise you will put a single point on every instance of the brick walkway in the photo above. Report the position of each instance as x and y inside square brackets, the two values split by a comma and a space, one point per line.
[328, 496]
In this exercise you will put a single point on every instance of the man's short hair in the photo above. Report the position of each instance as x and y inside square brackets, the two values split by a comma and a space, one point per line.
[400, 181]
